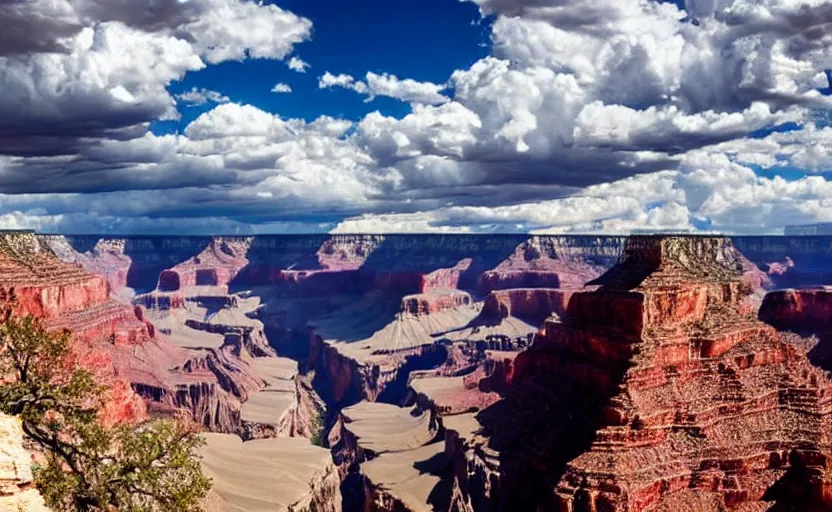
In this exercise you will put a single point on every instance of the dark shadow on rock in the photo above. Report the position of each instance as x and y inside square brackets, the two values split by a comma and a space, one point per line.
[549, 416]
[269, 254]
[352, 489]
[438, 465]
[151, 255]
[801, 488]
[397, 392]
[811, 255]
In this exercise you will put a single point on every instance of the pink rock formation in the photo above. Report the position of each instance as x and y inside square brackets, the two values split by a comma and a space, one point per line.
[435, 301]
[216, 265]
[107, 259]
[120, 345]
[659, 391]
[531, 303]
[777, 268]
[446, 278]
[540, 262]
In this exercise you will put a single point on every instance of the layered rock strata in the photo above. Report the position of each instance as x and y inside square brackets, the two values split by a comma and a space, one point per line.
[120, 343]
[807, 313]
[105, 258]
[658, 390]
[264, 396]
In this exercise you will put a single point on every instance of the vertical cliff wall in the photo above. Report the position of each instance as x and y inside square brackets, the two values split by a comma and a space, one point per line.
[657, 390]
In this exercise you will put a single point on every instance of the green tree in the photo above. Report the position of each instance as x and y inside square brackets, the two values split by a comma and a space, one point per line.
[89, 467]
[319, 428]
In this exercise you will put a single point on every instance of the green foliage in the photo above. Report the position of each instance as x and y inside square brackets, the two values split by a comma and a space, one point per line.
[89, 467]
[319, 428]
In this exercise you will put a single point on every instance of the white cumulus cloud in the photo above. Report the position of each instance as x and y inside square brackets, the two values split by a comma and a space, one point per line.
[282, 88]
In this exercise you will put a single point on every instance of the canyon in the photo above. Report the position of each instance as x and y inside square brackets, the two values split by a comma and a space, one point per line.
[460, 372]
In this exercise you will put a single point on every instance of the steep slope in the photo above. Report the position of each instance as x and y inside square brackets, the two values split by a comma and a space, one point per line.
[657, 390]
[394, 451]
[119, 343]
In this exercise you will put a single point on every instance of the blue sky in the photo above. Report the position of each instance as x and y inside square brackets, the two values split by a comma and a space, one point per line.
[545, 116]
[425, 40]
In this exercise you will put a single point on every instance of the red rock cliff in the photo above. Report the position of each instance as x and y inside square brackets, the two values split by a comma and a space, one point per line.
[118, 343]
[660, 391]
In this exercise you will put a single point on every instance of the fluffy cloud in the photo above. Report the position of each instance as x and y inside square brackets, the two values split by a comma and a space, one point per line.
[297, 64]
[57, 102]
[281, 88]
[196, 97]
[732, 200]
[235, 30]
[616, 116]
[375, 85]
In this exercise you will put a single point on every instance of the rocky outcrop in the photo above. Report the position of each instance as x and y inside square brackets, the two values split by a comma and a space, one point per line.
[216, 265]
[669, 395]
[239, 338]
[122, 346]
[144, 257]
[106, 258]
[805, 311]
[33, 281]
[530, 303]
[435, 301]
[17, 491]
[550, 262]
[41, 284]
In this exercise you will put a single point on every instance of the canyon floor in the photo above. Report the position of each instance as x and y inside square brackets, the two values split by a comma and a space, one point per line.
[465, 373]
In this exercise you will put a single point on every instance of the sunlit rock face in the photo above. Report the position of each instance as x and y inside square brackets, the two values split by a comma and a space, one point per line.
[17, 492]
[270, 474]
[118, 342]
[658, 389]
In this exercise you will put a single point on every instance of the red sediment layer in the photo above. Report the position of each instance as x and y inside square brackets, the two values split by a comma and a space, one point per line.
[118, 344]
[799, 310]
[682, 397]
[710, 395]
[435, 301]
[530, 303]
[216, 265]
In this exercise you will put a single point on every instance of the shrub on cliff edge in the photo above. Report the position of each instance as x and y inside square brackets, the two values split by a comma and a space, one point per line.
[89, 467]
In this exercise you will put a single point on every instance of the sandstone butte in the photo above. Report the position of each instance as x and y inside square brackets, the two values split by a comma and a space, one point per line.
[657, 390]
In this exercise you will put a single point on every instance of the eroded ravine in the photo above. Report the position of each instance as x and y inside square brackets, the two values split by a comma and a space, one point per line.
[440, 327]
